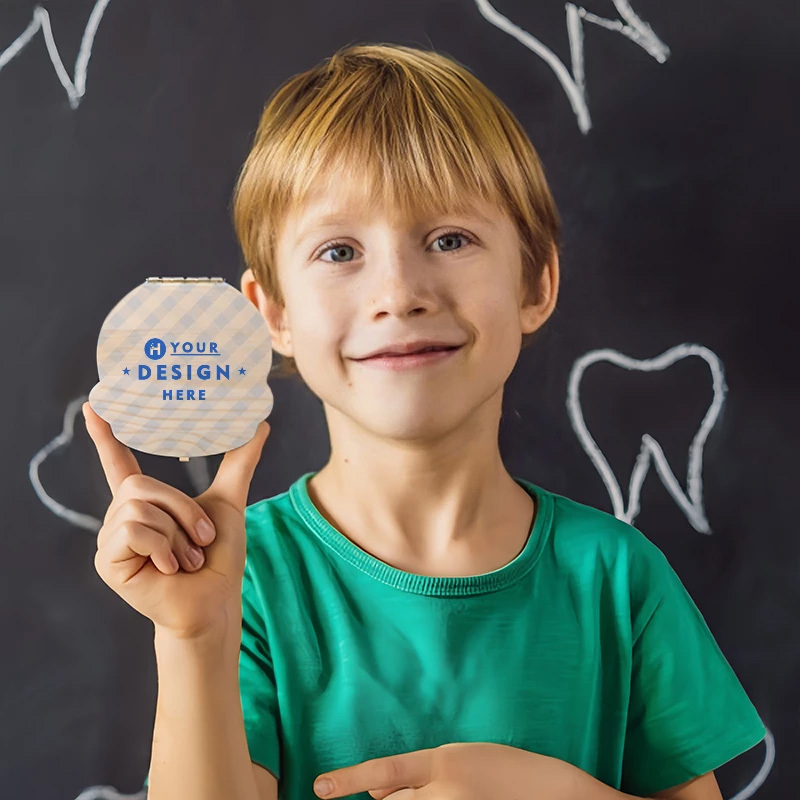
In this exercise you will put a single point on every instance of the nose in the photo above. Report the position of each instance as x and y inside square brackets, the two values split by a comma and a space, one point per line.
[401, 285]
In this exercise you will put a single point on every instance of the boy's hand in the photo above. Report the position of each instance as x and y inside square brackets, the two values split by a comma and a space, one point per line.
[143, 546]
[466, 770]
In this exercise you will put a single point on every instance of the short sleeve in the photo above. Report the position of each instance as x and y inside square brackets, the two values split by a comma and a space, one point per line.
[257, 680]
[688, 712]
[256, 684]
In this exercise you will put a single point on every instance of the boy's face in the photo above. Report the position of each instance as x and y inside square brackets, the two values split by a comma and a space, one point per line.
[367, 279]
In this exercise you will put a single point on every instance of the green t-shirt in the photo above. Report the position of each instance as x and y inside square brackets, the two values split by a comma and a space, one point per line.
[585, 647]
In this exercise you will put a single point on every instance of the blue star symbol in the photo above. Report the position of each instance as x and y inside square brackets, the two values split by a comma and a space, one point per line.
[126, 370]
[241, 370]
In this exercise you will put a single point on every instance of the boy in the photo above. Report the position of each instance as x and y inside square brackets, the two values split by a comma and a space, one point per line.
[411, 596]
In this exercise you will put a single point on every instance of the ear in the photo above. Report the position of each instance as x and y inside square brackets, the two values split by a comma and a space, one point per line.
[274, 314]
[538, 306]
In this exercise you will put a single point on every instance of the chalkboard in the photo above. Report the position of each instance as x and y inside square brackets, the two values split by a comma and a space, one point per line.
[668, 134]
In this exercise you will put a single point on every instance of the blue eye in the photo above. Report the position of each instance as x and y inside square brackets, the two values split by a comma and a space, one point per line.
[336, 245]
[333, 246]
[451, 235]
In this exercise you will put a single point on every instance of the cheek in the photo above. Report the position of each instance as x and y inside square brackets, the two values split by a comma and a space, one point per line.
[320, 323]
[497, 319]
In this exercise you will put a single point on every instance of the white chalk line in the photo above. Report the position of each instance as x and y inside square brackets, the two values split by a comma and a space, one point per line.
[692, 506]
[109, 793]
[64, 438]
[634, 28]
[761, 776]
[41, 21]
[197, 468]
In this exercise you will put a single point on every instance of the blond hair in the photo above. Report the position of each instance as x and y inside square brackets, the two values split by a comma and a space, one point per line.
[417, 127]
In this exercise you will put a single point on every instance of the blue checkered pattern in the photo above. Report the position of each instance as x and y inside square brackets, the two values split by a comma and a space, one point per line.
[201, 311]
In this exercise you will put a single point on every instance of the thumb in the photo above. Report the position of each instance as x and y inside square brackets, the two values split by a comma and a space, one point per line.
[232, 482]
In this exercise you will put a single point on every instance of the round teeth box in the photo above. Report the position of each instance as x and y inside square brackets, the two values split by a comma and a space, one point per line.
[183, 365]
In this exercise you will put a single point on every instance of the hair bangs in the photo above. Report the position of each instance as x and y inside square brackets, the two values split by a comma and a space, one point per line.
[410, 165]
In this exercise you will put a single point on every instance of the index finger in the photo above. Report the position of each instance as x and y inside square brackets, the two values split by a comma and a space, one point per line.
[406, 769]
[117, 459]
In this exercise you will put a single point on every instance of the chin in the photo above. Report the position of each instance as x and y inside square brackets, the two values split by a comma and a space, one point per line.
[423, 421]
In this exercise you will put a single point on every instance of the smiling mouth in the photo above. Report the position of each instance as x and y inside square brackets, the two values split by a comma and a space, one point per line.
[404, 361]
[415, 353]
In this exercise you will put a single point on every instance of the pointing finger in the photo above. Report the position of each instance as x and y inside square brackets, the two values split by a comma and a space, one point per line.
[411, 770]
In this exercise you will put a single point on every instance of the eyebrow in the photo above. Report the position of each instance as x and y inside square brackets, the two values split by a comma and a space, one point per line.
[321, 222]
[341, 219]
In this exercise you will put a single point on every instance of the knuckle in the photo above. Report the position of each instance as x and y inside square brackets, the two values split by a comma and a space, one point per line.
[134, 483]
[136, 508]
[129, 528]
[392, 771]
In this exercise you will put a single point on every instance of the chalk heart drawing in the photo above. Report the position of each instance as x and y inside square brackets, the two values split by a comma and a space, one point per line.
[691, 501]
[41, 21]
[574, 85]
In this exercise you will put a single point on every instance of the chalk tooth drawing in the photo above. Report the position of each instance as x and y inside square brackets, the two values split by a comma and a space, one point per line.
[197, 469]
[692, 506]
[41, 21]
[634, 28]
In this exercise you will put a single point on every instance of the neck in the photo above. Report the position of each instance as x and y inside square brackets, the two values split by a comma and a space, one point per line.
[441, 499]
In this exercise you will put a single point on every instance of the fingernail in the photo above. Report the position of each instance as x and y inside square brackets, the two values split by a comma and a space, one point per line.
[195, 555]
[205, 531]
[323, 786]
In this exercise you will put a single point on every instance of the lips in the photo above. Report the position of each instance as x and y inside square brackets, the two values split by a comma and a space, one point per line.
[414, 352]
[413, 348]
[403, 362]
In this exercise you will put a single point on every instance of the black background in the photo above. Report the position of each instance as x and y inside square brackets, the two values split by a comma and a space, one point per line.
[679, 227]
